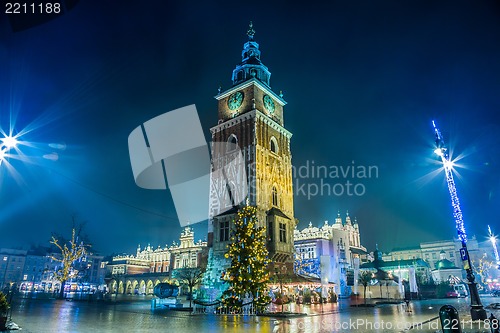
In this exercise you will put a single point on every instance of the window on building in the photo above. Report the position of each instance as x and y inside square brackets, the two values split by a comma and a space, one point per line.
[452, 255]
[232, 143]
[270, 231]
[224, 231]
[275, 196]
[283, 232]
[311, 253]
[230, 195]
[274, 145]
[434, 256]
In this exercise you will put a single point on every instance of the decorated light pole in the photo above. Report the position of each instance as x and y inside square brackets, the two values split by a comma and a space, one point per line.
[493, 241]
[477, 311]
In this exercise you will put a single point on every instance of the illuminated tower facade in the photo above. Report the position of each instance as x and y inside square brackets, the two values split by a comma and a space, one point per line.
[251, 118]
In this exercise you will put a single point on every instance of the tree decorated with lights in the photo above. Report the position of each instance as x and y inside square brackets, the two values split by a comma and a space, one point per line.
[70, 252]
[248, 272]
[483, 267]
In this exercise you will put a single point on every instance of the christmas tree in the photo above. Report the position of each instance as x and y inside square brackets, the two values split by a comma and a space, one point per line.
[248, 273]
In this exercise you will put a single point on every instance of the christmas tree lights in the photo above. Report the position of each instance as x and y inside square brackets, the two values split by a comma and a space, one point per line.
[248, 273]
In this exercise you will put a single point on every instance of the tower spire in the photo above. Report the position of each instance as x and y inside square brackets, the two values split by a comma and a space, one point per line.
[251, 66]
[250, 31]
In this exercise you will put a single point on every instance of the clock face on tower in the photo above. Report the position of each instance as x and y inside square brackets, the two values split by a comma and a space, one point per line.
[234, 101]
[268, 103]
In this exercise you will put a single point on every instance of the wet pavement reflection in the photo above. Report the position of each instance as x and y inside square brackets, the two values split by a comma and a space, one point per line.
[134, 314]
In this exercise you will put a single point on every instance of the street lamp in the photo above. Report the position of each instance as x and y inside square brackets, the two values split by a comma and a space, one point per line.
[7, 143]
[477, 311]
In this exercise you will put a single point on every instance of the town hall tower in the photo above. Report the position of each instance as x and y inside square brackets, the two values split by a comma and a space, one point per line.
[251, 118]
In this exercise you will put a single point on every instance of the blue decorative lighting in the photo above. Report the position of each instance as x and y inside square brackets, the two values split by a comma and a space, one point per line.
[477, 310]
[308, 267]
[493, 241]
[442, 152]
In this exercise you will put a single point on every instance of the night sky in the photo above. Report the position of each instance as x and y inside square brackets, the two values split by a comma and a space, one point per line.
[363, 81]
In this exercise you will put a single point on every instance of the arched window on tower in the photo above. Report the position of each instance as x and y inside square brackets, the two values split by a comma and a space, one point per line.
[232, 143]
[274, 145]
[275, 196]
[230, 195]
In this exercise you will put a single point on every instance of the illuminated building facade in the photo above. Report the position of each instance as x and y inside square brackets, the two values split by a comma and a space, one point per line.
[128, 265]
[33, 270]
[160, 260]
[433, 253]
[140, 273]
[11, 266]
[38, 267]
[187, 253]
[329, 252]
[395, 278]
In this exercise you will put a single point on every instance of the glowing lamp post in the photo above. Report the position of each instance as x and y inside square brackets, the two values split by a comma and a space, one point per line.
[7, 143]
[477, 311]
